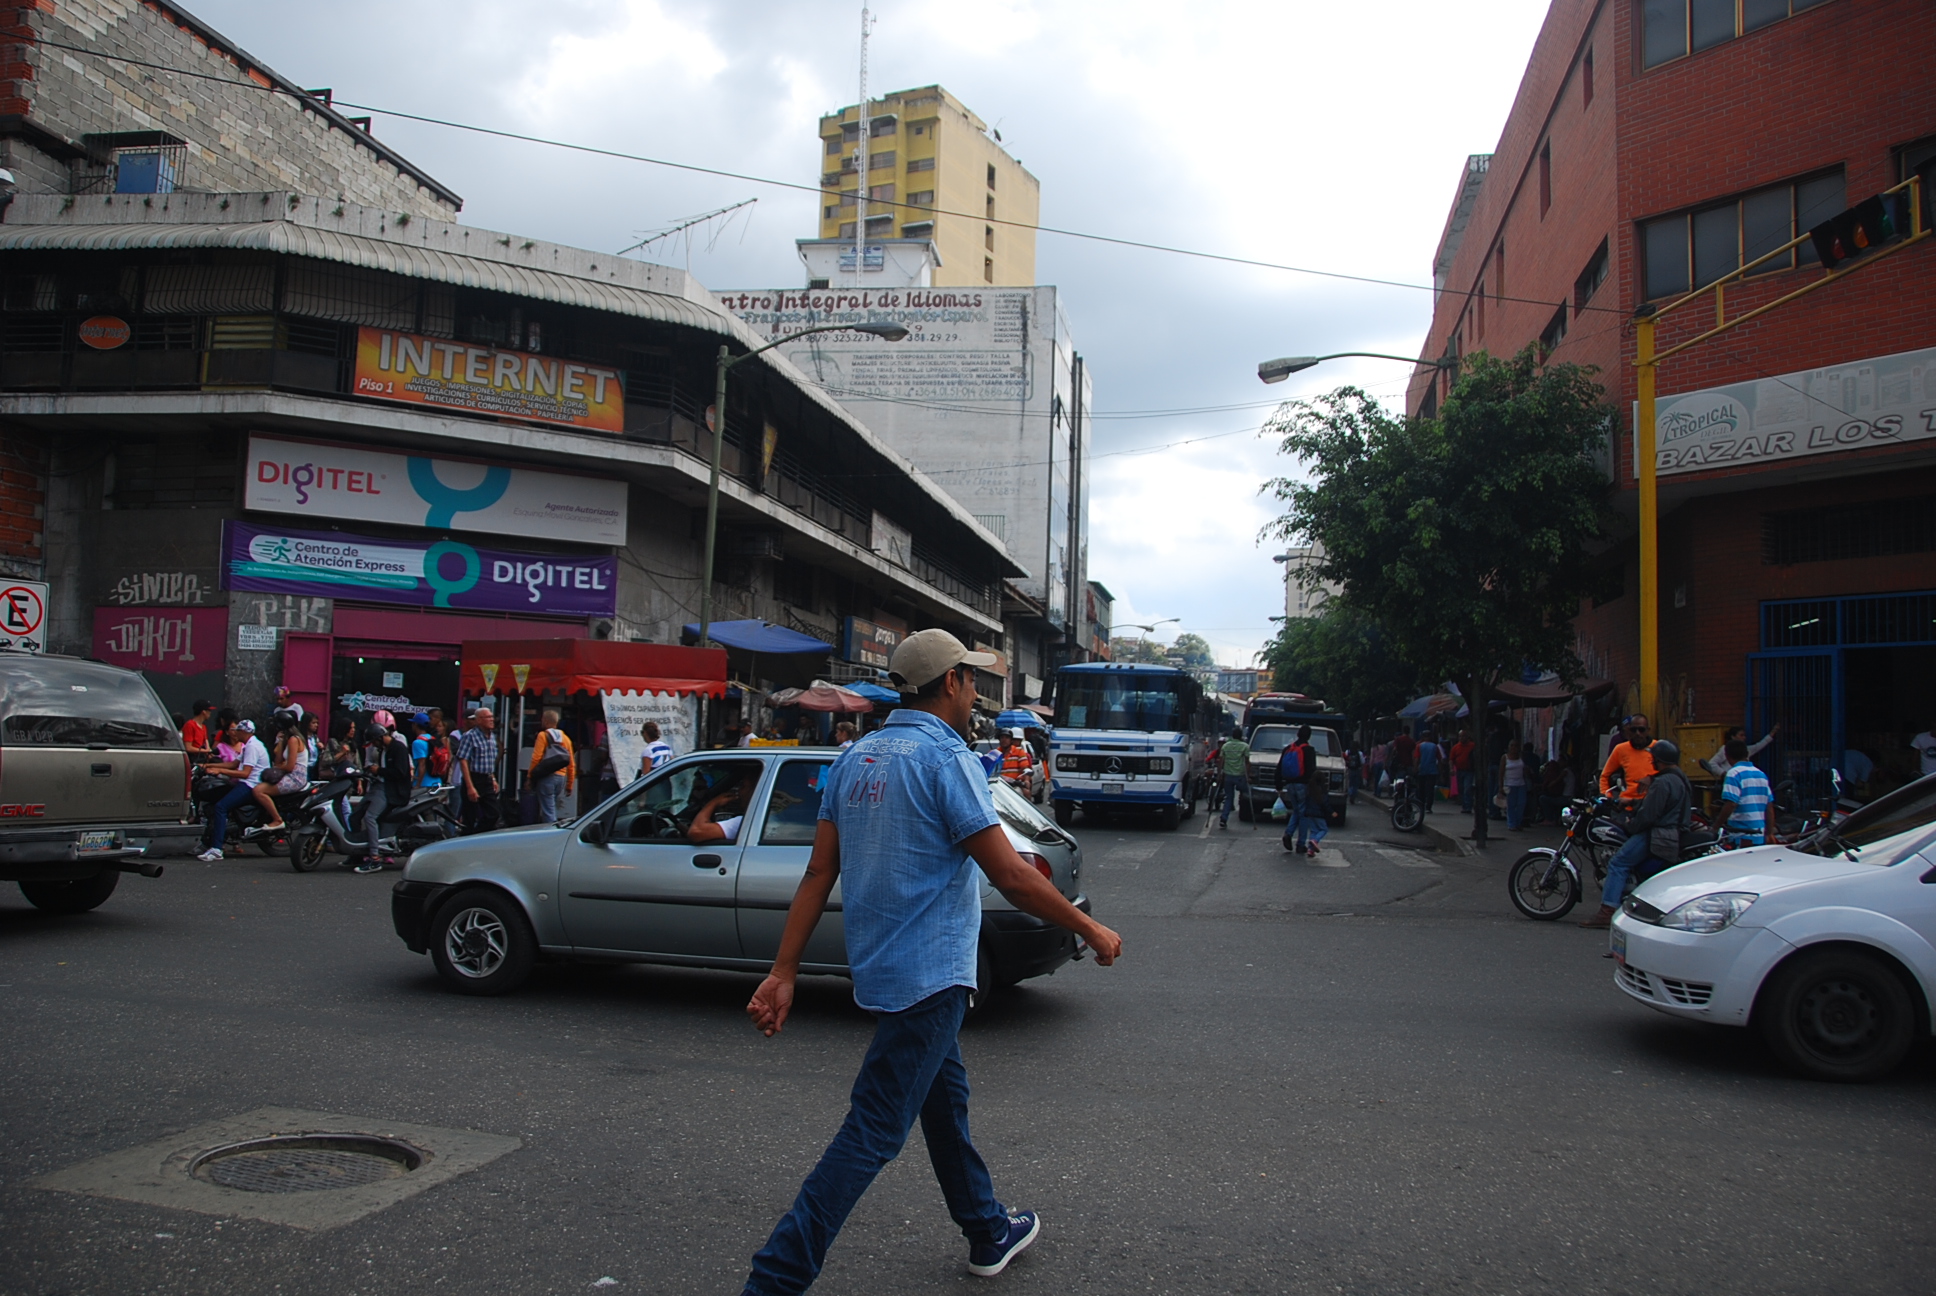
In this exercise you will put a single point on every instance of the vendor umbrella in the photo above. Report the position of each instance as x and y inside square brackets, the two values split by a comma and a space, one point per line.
[1016, 718]
[875, 693]
[821, 696]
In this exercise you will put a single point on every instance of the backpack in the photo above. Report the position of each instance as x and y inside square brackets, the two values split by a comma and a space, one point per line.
[1290, 766]
[556, 756]
[438, 766]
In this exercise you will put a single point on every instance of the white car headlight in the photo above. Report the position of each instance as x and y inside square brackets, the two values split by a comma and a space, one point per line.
[1709, 913]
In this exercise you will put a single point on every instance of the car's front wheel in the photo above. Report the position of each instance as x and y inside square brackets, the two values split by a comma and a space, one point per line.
[482, 943]
[72, 897]
[1836, 1015]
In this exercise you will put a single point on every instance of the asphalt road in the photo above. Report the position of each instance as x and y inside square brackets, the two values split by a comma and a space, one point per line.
[1362, 1075]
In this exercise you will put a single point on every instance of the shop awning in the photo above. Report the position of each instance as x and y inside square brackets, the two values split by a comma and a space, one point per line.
[590, 666]
[761, 637]
[1548, 692]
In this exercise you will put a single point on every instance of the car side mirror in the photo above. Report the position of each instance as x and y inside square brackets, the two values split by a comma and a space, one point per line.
[595, 833]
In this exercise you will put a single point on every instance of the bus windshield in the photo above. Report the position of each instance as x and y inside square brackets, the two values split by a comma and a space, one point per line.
[1124, 700]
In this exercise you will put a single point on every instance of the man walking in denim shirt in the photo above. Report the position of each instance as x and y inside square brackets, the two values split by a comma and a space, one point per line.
[904, 819]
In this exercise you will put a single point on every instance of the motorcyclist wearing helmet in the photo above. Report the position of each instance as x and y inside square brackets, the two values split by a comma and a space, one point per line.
[391, 776]
[1654, 831]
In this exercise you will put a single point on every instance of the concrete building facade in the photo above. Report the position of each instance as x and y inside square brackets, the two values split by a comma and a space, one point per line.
[1653, 146]
[934, 171]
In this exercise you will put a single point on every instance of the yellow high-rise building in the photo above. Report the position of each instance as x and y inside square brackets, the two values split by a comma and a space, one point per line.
[933, 172]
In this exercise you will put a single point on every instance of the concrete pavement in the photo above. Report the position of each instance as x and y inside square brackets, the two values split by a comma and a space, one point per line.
[1361, 1074]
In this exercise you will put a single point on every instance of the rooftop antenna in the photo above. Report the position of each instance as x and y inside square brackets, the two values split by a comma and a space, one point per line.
[648, 240]
[860, 154]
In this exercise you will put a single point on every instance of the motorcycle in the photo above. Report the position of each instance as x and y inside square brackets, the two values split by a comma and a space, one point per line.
[1407, 811]
[332, 819]
[1545, 882]
[210, 788]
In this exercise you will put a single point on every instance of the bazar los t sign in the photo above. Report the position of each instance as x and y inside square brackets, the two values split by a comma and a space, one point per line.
[443, 374]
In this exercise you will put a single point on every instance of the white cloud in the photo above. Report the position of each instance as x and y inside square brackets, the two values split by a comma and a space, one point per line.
[1320, 135]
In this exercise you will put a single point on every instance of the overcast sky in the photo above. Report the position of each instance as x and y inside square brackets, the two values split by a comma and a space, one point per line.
[1322, 135]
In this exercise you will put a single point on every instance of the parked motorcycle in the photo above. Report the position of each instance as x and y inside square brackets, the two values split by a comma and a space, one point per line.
[1407, 811]
[332, 820]
[210, 788]
[1545, 882]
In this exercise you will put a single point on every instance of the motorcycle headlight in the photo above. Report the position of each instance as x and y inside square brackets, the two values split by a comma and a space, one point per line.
[1566, 817]
[1709, 913]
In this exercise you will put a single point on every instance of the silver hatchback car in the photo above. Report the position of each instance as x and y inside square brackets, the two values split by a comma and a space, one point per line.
[625, 883]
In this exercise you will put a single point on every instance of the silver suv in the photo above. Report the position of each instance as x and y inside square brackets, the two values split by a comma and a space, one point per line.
[93, 780]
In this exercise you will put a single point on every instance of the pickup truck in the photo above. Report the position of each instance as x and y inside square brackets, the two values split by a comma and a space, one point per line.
[94, 781]
[1267, 744]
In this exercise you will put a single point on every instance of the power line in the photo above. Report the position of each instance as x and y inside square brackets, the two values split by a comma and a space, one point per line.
[620, 155]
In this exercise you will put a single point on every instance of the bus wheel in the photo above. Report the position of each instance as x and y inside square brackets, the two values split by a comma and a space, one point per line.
[1171, 816]
[1065, 814]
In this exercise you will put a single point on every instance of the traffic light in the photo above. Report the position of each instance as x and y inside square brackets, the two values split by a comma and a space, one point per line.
[1869, 224]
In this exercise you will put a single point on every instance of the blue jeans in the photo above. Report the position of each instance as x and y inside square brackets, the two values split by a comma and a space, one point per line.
[218, 815]
[1465, 790]
[1515, 807]
[1305, 824]
[549, 789]
[912, 1068]
[1631, 855]
[1235, 788]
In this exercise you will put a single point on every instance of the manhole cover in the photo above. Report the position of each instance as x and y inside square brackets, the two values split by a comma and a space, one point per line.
[297, 1163]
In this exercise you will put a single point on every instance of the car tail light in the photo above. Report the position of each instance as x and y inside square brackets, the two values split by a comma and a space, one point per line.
[1039, 864]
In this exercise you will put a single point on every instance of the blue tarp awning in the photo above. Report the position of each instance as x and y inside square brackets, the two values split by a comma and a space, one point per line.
[874, 693]
[761, 637]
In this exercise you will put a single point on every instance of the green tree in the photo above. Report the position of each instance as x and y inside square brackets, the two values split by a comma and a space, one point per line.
[1465, 537]
[1134, 650]
[1340, 656]
[1192, 652]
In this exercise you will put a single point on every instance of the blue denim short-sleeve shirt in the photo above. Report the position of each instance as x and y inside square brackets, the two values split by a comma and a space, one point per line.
[903, 799]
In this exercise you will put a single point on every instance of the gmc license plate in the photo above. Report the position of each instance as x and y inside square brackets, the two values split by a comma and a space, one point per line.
[92, 843]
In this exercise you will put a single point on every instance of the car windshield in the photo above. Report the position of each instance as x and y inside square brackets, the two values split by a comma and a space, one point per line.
[1017, 813]
[1903, 811]
[1275, 738]
[50, 702]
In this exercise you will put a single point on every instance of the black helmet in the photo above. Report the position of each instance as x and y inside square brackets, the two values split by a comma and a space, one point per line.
[1665, 752]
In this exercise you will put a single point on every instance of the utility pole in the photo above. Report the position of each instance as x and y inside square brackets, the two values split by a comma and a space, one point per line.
[860, 153]
[1075, 596]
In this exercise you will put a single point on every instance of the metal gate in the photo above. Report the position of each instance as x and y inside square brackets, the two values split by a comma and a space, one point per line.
[1801, 692]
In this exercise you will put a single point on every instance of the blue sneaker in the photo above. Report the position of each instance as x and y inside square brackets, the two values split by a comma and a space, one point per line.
[986, 1259]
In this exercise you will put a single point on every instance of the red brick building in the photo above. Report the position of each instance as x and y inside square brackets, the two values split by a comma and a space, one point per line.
[1655, 145]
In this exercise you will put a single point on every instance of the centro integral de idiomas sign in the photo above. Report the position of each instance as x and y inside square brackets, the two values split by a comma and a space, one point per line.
[1860, 405]
[356, 484]
[422, 573]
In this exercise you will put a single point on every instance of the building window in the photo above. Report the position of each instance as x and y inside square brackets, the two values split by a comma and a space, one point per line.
[1545, 177]
[1590, 278]
[917, 130]
[1672, 29]
[830, 211]
[847, 229]
[884, 193]
[147, 171]
[1693, 249]
[988, 237]
[833, 146]
[816, 283]
[1479, 319]
[883, 126]
[990, 211]
[1910, 158]
[1871, 529]
[920, 164]
[850, 130]
[921, 198]
[1586, 79]
[876, 161]
[831, 180]
[848, 198]
[918, 229]
[991, 175]
[1549, 341]
[1499, 273]
[988, 269]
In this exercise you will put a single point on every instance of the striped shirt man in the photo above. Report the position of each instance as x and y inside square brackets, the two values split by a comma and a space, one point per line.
[1746, 790]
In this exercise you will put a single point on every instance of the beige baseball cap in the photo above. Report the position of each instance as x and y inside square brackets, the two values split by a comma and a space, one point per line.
[927, 655]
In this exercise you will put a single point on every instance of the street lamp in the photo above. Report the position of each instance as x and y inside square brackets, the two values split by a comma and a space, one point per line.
[1147, 630]
[1276, 371]
[888, 332]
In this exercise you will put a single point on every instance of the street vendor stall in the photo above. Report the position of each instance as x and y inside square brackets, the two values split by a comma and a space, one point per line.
[604, 692]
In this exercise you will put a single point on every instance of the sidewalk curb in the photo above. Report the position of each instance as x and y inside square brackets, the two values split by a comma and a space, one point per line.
[1445, 843]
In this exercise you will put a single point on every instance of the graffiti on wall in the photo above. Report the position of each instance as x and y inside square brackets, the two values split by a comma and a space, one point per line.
[161, 589]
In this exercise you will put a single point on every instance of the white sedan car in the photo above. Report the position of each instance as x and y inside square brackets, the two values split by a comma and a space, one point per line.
[1827, 948]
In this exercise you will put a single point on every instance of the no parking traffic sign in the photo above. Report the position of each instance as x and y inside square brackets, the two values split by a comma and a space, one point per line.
[23, 615]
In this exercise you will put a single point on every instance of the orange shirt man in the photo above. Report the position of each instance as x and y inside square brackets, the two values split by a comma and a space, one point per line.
[1631, 761]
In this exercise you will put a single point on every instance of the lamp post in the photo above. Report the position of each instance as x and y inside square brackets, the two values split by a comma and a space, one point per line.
[1276, 371]
[1147, 630]
[889, 332]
